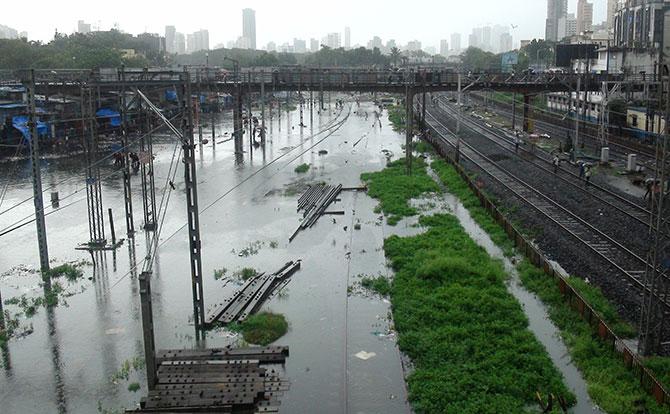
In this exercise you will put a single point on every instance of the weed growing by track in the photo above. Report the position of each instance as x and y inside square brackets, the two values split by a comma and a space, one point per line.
[262, 328]
[467, 336]
[302, 168]
[380, 285]
[394, 188]
[397, 117]
[456, 186]
[610, 384]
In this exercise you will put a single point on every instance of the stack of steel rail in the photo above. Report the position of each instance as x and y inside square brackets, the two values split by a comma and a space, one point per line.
[251, 296]
[222, 380]
[313, 203]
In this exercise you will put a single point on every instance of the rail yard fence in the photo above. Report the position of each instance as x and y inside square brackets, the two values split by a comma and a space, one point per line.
[647, 379]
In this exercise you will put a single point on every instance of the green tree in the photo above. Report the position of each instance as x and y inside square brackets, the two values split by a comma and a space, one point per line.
[395, 55]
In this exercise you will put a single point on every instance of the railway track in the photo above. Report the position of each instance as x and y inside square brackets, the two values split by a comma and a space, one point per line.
[618, 147]
[541, 161]
[631, 266]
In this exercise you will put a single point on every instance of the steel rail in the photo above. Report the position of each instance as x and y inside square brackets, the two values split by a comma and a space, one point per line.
[604, 246]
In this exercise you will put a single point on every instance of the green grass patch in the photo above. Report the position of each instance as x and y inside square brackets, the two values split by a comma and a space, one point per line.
[302, 168]
[611, 384]
[457, 186]
[422, 147]
[246, 273]
[134, 386]
[262, 328]
[394, 188]
[397, 117]
[220, 273]
[379, 285]
[467, 336]
[71, 272]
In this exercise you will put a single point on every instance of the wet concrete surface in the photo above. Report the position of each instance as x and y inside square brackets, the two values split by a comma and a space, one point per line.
[67, 363]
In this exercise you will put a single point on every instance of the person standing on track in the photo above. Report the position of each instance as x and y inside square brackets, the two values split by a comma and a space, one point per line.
[556, 162]
[587, 175]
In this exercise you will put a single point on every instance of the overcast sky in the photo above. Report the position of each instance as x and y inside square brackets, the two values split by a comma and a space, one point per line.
[281, 21]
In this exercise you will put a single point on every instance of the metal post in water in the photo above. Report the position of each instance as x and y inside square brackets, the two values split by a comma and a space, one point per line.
[263, 107]
[148, 329]
[191, 183]
[37, 176]
[111, 226]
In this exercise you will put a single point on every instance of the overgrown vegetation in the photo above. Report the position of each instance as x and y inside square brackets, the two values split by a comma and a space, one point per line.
[129, 365]
[72, 272]
[220, 273]
[397, 117]
[611, 385]
[302, 168]
[246, 273]
[467, 336]
[134, 386]
[456, 186]
[380, 285]
[614, 387]
[262, 328]
[394, 188]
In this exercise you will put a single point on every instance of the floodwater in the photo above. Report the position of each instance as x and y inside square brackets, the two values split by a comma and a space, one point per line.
[539, 323]
[69, 361]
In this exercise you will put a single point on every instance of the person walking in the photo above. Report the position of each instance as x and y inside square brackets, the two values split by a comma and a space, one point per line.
[556, 162]
[587, 175]
[582, 170]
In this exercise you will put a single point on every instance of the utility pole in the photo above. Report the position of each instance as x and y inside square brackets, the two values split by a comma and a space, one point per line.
[576, 139]
[514, 111]
[148, 329]
[654, 319]
[127, 194]
[262, 107]
[147, 171]
[96, 223]
[409, 107]
[37, 177]
[191, 182]
[458, 120]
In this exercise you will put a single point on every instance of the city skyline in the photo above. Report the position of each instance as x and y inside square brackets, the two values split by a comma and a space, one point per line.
[363, 27]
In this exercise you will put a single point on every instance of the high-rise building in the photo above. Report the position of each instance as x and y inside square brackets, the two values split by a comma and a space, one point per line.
[584, 16]
[347, 38]
[506, 42]
[611, 11]
[299, 46]
[8, 33]
[555, 10]
[487, 39]
[456, 42]
[414, 46]
[444, 47]
[314, 45]
[82, 27]
[271, 47]
[567, 26]
[249, 27]
[376, 42]
[170, 38]
[180, 43]
[333, 40]
[197, 41]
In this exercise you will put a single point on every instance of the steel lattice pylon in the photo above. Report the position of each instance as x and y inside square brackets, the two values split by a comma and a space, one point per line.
[96, 223]
[655, 318]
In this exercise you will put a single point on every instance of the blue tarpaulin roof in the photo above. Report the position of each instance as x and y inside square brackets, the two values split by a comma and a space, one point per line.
[21, 123]
[113, 116]
[171, 95]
